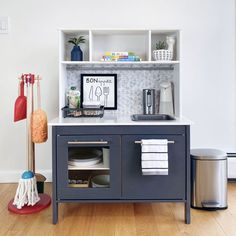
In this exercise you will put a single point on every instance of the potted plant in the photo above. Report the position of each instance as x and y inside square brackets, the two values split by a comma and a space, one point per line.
[162, 53]
[76, 53]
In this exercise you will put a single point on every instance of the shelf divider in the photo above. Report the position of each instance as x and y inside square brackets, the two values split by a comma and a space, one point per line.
[149, 45]
[90, 46]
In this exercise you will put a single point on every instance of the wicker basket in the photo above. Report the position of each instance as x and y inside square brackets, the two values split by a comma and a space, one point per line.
[162, 55]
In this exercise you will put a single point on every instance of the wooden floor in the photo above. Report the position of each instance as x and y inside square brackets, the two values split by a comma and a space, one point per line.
[117, 219]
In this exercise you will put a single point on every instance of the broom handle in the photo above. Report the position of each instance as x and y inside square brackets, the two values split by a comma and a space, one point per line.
[30, 108]
[28, 125]
[38, 94]
[32, 144]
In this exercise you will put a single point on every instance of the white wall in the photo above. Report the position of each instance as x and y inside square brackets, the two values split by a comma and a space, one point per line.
[208, 65]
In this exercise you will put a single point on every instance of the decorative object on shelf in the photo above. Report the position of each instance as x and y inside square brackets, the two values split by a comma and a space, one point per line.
[106, 156]
[39, 121]
[91, 104]
[170, 40]
[120, 57]
[162, 53]
[101, 88]
[101, 181]
[27, 200]
[78, 183]
[76, 53]
[73, 97]
[83, 112]
[85, 158]
[166, 98]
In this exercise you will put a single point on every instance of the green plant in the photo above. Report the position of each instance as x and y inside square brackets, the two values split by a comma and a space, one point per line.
[77, 41]
[161, 45]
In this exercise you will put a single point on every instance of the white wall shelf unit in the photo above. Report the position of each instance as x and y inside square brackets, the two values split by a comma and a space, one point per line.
[141, 42]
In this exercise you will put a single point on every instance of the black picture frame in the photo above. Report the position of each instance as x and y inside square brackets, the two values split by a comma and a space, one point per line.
[103, 81]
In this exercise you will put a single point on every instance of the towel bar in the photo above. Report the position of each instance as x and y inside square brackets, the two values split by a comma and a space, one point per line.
[141, 141]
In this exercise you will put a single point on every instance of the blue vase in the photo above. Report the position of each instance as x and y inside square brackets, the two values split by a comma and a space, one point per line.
[76, 54]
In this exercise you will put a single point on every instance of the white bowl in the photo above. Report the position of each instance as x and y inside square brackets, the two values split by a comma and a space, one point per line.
[85, 157]
[100, 181]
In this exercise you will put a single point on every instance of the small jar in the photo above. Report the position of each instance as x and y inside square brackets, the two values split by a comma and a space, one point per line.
[73, 97]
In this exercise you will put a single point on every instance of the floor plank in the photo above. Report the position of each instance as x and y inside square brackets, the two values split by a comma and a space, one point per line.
[145, 220]
[115, 219]
[165, 219]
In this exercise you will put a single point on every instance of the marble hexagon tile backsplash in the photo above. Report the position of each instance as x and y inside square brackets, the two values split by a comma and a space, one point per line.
[130, 85]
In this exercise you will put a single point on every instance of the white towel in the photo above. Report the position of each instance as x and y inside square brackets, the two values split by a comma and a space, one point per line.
[154, 148]
[154, 141]
[155, 164]
[154, 156]
[155, 171]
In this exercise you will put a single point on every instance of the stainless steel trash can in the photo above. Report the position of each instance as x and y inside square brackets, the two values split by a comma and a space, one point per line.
[208, 179]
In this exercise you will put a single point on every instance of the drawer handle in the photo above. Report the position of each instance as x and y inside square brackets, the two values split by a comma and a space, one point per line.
[139, 142]
[87, 142]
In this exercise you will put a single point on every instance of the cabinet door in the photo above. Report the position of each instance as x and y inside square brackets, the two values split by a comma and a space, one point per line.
[138, 186]
[88, 167]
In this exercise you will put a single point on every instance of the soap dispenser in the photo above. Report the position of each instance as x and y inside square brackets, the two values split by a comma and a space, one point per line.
[166, 98]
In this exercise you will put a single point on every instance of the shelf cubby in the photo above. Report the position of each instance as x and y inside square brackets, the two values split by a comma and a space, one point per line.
[160, 35]
[67, 47]
[135, 41]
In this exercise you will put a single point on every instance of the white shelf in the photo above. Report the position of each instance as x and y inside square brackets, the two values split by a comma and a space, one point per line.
[140, 41]
[118, 62]
[99, 166]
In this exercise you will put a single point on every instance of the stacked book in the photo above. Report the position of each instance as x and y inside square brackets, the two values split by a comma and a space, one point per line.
[120, 56]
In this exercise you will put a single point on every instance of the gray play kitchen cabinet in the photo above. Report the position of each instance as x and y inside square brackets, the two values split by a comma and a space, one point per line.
[127, 184]
[112, 143]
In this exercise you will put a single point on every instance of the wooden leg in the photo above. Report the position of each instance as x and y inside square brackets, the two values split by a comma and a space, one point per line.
[187, 213]
[55, 212]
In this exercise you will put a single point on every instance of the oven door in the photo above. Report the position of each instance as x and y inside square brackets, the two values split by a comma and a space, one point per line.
[88, 167]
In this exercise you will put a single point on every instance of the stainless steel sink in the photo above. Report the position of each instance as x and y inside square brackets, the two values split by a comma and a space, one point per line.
[159, 117]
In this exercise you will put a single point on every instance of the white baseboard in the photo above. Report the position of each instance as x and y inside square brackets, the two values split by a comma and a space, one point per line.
[14, 176]
[232, 168]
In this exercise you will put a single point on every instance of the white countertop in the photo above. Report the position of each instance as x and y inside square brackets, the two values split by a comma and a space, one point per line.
[114, 120]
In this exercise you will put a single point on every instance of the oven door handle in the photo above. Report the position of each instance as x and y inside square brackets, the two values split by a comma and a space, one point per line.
[87, 142]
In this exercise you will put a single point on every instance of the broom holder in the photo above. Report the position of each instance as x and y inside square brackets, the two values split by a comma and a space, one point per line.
[29, 80]
[31, 202]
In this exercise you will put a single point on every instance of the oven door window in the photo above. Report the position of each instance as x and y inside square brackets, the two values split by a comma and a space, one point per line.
[89, 167]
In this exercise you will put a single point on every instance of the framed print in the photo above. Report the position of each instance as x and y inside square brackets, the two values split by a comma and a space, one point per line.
[100, 88]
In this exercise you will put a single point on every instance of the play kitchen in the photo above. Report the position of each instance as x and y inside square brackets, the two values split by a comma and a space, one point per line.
[120, 135]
